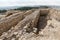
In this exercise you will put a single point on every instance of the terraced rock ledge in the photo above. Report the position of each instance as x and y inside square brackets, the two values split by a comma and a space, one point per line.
[35, 24]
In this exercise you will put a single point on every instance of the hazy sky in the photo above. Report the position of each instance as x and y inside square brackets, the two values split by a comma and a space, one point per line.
[28, 2]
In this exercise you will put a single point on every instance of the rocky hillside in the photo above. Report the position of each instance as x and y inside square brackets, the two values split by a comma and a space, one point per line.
[35, 24]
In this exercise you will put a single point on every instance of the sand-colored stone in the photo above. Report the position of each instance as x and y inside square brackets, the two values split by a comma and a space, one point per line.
[2, 16]
[28, 12]
[44, 11]
[55, 13]
[30, 22]
[10, 12]
[50, 27]
[32, 19]
[10, 21]
[7, 22]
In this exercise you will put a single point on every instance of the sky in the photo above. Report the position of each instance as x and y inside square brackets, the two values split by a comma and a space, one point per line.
[28, 2]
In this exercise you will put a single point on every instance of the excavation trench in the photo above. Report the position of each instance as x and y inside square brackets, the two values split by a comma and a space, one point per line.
[39, 21]
[12, 20]
[42, 21]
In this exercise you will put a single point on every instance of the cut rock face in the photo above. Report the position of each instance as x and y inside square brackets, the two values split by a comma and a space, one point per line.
[31, 25]
[55, 13]
[44, 12]
[10, 21]
[32, 19]
[10, 12]
[29, 21]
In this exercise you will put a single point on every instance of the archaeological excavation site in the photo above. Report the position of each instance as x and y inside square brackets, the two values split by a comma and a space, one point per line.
[34, 24]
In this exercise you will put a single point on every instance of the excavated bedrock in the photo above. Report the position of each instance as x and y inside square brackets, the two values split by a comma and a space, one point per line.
[27, 22]
[10, 21]
[32, 19]
[20, 20]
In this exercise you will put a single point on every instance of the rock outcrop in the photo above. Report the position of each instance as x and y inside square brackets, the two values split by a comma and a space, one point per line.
[36, 24]
[44, 11]
[12, 20]
[32, 19]
[55, 13]
[27, 24]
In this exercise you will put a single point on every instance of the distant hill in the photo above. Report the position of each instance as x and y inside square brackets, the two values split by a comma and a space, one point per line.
[9, 7]
[35, 6]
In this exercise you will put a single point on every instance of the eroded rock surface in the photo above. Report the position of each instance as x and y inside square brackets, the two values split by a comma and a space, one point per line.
[40, 24]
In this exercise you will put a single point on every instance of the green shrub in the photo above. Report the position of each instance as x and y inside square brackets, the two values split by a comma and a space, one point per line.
[2, 11]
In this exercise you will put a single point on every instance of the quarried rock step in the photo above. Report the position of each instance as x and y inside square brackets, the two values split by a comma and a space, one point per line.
[11, 12]
[55, 13]
[31, 19]
[10, 21]
[44, 12]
